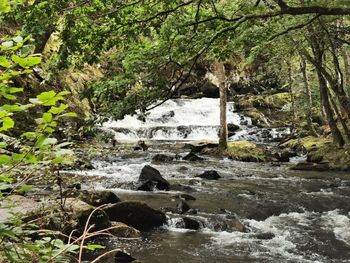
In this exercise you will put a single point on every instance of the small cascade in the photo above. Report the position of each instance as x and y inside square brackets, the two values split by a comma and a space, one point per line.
[188, 120]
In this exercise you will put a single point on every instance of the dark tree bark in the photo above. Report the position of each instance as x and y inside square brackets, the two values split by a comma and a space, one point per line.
[318, 53]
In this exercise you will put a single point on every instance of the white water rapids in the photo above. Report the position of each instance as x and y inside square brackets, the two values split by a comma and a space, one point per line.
[186, 120]
[290, 216]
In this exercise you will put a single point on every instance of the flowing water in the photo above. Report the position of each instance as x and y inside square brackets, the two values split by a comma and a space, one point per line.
[289, 216]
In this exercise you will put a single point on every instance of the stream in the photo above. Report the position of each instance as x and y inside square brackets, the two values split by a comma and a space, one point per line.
[289, 216]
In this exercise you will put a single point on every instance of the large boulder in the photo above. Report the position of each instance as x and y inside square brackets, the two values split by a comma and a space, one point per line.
[210, 90]
[190, 223]
[15, 204]
[246, 151]
[209, 175]
[136, 214]
[98, 198]
[150, 175]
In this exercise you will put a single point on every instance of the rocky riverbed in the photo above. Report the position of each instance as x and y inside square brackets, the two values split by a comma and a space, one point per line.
[220, 210]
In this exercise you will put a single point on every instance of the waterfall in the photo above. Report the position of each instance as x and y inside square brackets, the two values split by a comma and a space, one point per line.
[181, 120]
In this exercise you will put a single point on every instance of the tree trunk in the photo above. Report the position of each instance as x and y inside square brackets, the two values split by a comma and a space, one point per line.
[318, 51]
[337, 137]
[340, 118]
[220, 74]
[290, 80]
[347, 70]
[308, 97]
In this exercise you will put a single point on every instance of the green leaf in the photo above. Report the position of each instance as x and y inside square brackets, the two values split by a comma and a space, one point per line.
[6, 179]
[47, 95]
[7, 123]
[69, 114]
[30, 135]
[94, 247]
[31, 158]
[24, 188]
[5, 159]
[8, 96]
[15, 90]
[4, 62]
[18, 39]
[12, 108]
[63, 93]
[17, 157]
[3, 145]
[58, 110]
[47, 117]
[4, 6]
[26, 62]
[49, 98]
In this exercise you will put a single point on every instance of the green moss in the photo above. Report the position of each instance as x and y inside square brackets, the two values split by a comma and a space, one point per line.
[308, 143]
[246, 151]
[277, 100]
[258, 117]
[274, 101]
[320, 149]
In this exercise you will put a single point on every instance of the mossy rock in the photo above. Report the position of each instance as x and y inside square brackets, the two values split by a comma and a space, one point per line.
[246, 151]
[257, 118]
[308, 143]
[324, 151]
[274, 101]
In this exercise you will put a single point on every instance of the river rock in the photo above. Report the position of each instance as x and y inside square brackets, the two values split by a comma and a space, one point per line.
[231, 129]
[210, 90]
[314, 157]
[230, 226]
[282, 156]
[162, 158]
[150, 174]
[200, 146]
[123, 230]
[191, 223]
[14, 204]
[210, 175]
[98, 219]
[136, 214]
[265, 236]
[192, 157]
[98, 198]
[182, 207]
[123, 257]
[307, 166]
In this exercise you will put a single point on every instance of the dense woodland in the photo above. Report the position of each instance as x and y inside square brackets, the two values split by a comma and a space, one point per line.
[68, 66]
